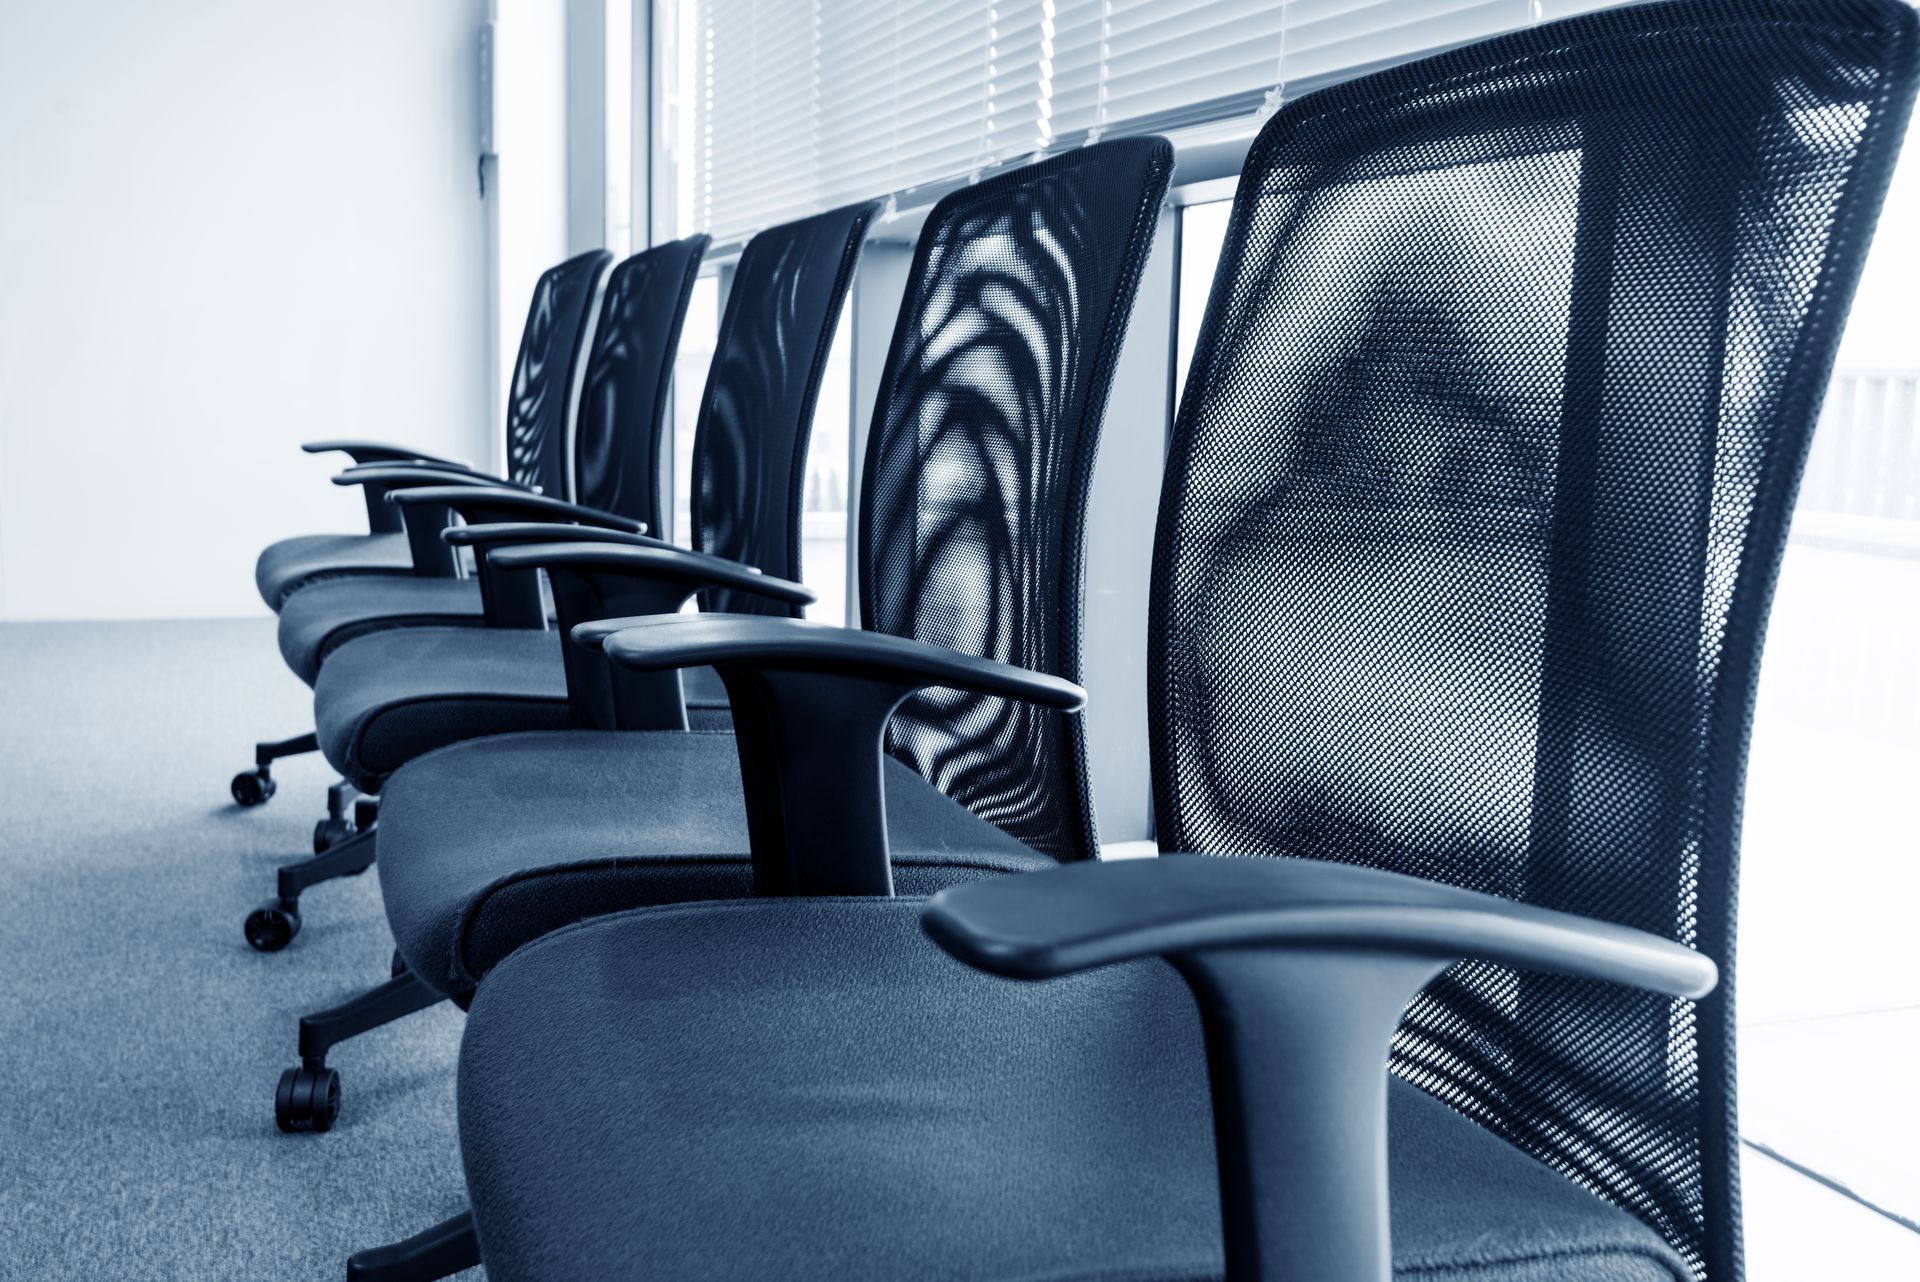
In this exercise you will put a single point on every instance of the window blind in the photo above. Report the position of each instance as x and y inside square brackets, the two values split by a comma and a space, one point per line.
[787, 107]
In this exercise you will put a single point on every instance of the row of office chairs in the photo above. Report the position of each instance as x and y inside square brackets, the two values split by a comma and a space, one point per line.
[1471, 513]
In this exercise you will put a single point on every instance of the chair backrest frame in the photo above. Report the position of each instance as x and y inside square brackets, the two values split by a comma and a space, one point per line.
[979, 460]
[756, 413]
[1473, 510]
[540, 390]
[624, 385]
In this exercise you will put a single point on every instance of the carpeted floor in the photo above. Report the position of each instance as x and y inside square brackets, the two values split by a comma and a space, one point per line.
[140, 1038]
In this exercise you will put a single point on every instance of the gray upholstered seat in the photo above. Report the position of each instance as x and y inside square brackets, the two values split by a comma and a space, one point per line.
[323, 616]
[491, 843]
[383, 699]
[291, 564]
[817, 1072]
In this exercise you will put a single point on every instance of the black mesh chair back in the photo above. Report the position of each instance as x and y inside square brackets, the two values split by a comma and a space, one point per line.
[973, 505]
[750, 444]
[543, 371]
[1473, 511]
[623, 392]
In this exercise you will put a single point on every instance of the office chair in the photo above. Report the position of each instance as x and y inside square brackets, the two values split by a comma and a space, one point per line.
[979, 461]
[536, 453]
[1471, 518]
[616, 442]
[622, 411]
[386, 697]
[972, 521]
[622, 407]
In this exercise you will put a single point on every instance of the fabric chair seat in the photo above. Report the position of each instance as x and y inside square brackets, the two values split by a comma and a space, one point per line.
[811, 1089]
[291, 564]
[382, 699]
[489, 844]
[321, 617]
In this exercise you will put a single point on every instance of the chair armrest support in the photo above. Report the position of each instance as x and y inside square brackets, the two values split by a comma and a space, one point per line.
[511, 596]
[431, 557]
[811, 704]
[378, 482]
[373, 457]
[1301, 970]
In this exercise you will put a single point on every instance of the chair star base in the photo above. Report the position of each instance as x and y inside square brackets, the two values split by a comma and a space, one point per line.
[308, 1095]
[438, 1252]
[256, 787]
[272, 925]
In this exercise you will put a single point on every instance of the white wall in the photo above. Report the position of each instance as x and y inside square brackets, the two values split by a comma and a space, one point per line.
[530, 135]
[225, 227]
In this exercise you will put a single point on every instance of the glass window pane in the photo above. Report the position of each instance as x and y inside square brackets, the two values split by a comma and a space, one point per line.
[620, 105]
[1203, 228]
[689, 381]
[825, 521]
[1829, 999]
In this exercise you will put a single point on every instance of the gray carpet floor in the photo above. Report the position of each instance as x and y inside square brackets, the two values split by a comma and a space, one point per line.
[140, 1038]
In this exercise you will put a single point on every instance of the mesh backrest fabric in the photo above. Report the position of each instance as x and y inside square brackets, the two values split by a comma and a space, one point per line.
[750, 446]
[543, 371]
[623, 392]
[974, 499]
[1473, 509]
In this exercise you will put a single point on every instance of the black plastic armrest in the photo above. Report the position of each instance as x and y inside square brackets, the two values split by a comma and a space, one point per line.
[811, 703]
[1301, 970]
[613, 568]
[377, 477]
[377, 452]
[379, 482]
[494, 534]
[478, 504]
[456, 471]
[511, 597]
[511, 600]
[594, 578]
[395, 476]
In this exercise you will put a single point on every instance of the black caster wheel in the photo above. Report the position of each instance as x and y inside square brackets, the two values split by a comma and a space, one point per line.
[399, 966]
[308, 1099]
[272, 926]
[253, 787]
[327, 833]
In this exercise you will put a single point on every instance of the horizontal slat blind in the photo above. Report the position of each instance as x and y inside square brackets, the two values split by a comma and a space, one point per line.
[787, 107]
[754, 100]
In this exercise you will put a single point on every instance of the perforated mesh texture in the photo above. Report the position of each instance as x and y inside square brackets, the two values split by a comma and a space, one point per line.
[623, 392]
[750, 445]
[979, 460]
[543, 371]
[1473, 510]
